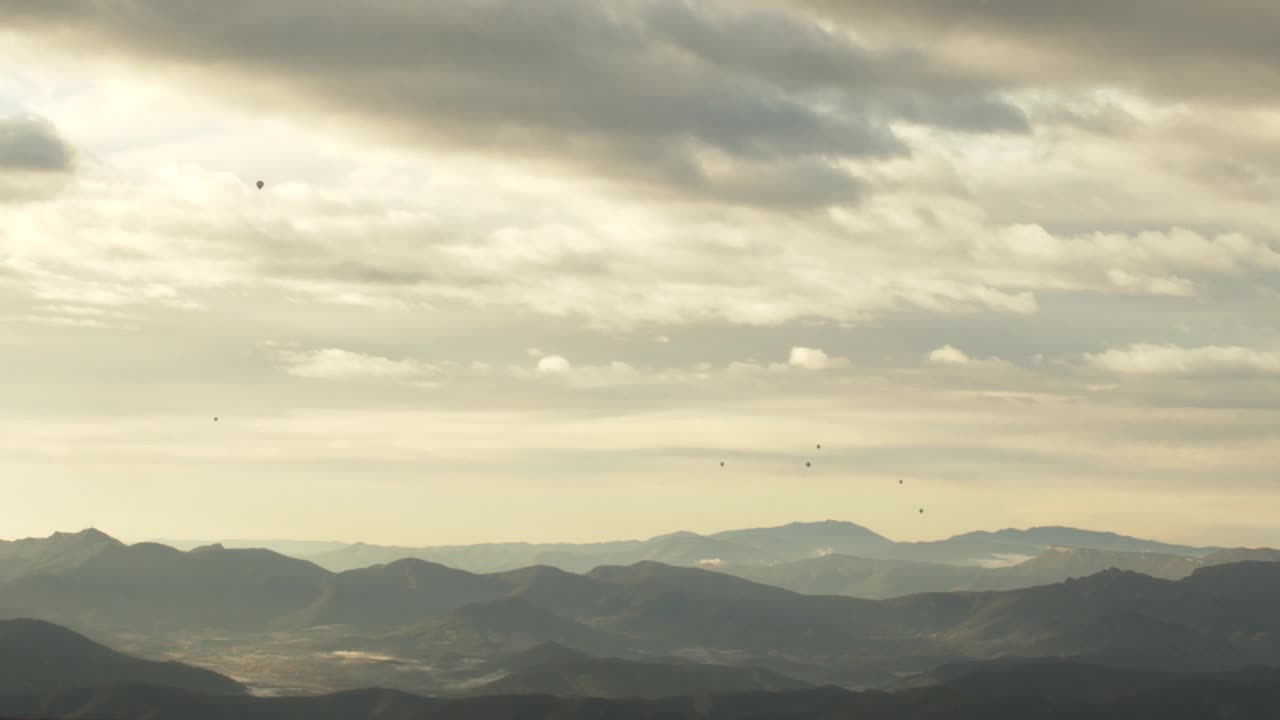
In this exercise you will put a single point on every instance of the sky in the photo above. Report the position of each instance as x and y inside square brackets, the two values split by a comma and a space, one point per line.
[532, 271]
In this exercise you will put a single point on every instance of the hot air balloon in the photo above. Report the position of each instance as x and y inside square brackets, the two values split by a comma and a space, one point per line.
[260, 184]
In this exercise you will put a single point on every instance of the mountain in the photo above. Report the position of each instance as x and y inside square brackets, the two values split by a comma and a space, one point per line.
[40, 656]
[1235, 555]
[422, 626]
[483, 558]
[293, 548]
[1090, 539]
[685, 548]
[877, 579]
[1044, 692]
[807, 540]
[1052, 678]
[758, 547]
[154, 586]
[552, 669]
[58, 552]
[89, 580]
[858, 577]
[138, 702]
[498, 627]
[405, 591]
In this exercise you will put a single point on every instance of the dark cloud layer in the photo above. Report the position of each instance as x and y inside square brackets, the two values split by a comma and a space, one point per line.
[729, 102]
[35, 161]
[30, 144]
[1175, 47]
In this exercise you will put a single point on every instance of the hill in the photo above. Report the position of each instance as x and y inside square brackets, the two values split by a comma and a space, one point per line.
[1246, 695]
[40, 656]
[552, 669]
[879, 579]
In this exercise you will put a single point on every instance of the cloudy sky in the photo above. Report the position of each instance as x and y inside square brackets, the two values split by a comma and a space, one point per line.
[532, 270]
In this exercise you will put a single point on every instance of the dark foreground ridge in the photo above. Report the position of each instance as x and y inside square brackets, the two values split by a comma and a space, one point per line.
[998, 693]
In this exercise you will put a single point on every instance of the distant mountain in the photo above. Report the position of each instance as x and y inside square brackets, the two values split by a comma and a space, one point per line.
[292, 548]
[498, 627]
[1235, 555]
[439, 624]
[1091, 539]
[402, 592]
[89, 580]
[858, 577]
[877, 579]
[101, 582]
[808, 540]
[40, 656]
[759, 546]
[553, 669]
[58, 552]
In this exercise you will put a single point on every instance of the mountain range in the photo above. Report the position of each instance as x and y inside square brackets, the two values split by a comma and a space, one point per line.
[992, 690]
[756, 546]
[436, 628]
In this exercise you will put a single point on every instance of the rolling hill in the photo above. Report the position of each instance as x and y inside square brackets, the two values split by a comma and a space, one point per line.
[1048, 692]
[552, 669]
[40, 656]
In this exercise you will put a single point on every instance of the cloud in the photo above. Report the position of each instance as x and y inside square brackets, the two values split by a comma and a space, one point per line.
[814, 359]
[948, 355]
[1176, 361]
[344, 365]
[32, 144]
[553, 364]
[34, 159]
[716, 101]
[1176, 47]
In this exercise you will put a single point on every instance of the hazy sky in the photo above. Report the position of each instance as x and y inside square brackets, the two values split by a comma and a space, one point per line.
[531, 270]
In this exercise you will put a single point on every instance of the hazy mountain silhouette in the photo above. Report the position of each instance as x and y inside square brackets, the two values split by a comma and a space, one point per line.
[758, 546]
[871, 578]
[1219, 617]
[500, 626]
[36, 655]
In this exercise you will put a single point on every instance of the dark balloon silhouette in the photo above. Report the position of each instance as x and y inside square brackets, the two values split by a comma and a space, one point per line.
[260, 184]
[215, 419]
[921, 511]
[721, 463]
[819, 446]
[899, 482]
[806, 464]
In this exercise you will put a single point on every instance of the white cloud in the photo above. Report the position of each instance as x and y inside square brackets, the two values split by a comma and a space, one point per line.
[815, 359]
[949, 355]
[1172, 360]
[553, 364]
[337, 364]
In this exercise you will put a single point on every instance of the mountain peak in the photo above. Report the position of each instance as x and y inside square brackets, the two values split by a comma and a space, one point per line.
[87, 536]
